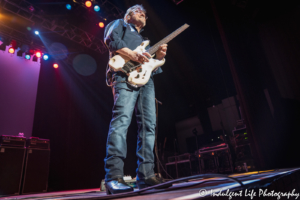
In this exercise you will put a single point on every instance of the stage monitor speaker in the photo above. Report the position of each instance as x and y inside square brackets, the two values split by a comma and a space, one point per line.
[36, 171]
[11, 168]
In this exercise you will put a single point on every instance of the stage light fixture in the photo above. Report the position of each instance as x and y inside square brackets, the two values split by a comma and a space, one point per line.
[34, 58]
[24, 48]
[45, 57]
[5, 42]
[27, 56]
[11, 50]
[97, 8]
[88, 4]
[3, 47]
[31, 51]
[101, 24]
[20, 53]
[36, 32]
[55, 65]
[68, 6]
[13, 44]
[38, 54]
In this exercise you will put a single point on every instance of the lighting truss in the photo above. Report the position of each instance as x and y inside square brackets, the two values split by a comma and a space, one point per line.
[63, 28]
[20, 37]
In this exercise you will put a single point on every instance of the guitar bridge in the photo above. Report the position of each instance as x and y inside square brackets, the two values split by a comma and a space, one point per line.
[130, 66]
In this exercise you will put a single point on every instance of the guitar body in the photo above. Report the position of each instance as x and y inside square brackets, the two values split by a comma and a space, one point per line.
[138, 75]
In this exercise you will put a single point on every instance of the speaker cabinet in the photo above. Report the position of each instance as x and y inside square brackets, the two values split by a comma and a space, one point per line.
[11, 168]
[36, 171]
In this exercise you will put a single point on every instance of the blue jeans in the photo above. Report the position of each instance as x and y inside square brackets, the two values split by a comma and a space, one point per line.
[126, 100]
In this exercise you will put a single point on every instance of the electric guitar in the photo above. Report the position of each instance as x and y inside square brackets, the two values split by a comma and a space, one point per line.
[139, 74]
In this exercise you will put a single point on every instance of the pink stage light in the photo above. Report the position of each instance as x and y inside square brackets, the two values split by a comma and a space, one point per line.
[55, 65]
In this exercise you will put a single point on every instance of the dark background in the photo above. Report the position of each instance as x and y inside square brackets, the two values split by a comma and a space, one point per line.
[232, 47]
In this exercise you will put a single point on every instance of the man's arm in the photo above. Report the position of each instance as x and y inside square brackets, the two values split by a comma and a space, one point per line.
[113, 36]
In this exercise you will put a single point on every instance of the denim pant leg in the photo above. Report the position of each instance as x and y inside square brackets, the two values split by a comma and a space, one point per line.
[146, 119]
[116, 147]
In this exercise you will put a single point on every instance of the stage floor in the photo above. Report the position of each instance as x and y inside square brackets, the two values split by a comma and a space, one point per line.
[270, 184]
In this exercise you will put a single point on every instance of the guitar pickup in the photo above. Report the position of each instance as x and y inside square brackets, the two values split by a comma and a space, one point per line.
[138, 76]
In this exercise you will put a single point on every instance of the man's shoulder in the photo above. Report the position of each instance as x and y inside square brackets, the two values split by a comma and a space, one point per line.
[116, 22]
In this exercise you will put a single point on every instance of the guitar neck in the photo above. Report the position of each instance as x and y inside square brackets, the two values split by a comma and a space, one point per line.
[167, 39]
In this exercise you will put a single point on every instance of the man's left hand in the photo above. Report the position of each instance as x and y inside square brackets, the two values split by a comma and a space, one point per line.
[161, 52]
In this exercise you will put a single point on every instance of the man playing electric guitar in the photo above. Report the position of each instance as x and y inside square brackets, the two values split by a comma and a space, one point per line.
[122, 36]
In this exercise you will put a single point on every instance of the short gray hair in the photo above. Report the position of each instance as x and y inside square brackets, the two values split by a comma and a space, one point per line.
[132, 9]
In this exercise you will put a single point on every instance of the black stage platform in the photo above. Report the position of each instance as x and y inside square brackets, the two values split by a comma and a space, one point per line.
[271, 184]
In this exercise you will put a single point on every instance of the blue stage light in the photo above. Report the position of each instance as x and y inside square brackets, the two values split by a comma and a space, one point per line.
[36, 32]
[96, 8]
[45, 57]
[68, 6]
[27, 57]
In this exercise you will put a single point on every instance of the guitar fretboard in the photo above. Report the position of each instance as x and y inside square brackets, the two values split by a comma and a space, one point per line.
[167, 39]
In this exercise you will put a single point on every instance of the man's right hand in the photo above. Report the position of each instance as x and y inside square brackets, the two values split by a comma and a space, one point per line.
[135, 56]
[141, 58]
